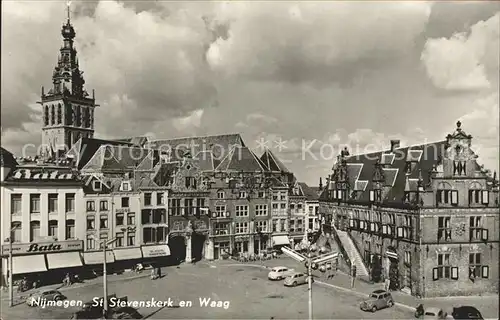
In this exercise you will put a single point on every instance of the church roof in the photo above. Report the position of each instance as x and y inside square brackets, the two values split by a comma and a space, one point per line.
[272, 162]
[120, 158]
[140, 141]
[220, 145]
[85, 148]
[240, 159]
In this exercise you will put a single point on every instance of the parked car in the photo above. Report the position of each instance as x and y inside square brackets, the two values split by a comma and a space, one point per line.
[295, 279]
[434, 313]
[466, 312]
[279, 273]
[45, 296]
[377, 300]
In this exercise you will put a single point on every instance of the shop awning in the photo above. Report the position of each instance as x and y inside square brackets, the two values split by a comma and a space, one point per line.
[127, 254]
[155, 251]
[281, 240]
[392, 254]
[97, 257]
[64, 260]
[29, 264]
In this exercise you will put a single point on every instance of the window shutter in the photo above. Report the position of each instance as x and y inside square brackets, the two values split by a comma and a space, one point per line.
[484, 234]
[454, 273]
[400, 232]
[438, 196]
[384, 229]
[472, 272]
[435, 274]
[351, 223]
[454, 197]
[372, 227]
[372, 195]
[485, 197]
[485, 272]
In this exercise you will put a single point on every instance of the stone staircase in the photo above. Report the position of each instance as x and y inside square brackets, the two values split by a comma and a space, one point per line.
[352, 252]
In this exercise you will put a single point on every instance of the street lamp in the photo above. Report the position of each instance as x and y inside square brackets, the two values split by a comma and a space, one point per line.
[310, 264]
[11, 269]
[105, 244]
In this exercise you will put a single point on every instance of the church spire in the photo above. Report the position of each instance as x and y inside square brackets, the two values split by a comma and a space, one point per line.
[67, 77]
[68, 5]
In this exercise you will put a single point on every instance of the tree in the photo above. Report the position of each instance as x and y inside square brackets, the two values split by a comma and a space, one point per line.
[376, 272]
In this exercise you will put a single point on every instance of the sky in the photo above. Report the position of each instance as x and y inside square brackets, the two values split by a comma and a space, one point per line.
[301, 78]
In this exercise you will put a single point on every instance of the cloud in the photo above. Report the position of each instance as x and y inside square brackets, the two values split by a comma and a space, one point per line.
[482, 123]
[145, 67]
[464, 61]
[313, 42]
[190, 121]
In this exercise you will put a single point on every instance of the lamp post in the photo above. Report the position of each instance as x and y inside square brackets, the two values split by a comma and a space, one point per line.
[310, 264]
[105, 244]
[11, 269]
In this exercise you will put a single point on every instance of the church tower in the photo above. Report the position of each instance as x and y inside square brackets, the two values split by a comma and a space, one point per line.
[68, 111]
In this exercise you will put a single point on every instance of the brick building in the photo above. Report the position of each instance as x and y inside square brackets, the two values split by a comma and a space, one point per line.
[427, 214]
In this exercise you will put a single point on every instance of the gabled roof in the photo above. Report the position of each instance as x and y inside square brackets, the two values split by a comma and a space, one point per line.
[205, 160]
[220, 145]
[362, 168]
[85, 148]
[309, 192]
[272, 162]
[240, 159]
[7, 158]
[120, 158]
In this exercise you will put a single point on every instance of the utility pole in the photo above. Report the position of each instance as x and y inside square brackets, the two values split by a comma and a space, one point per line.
[11, 268]
[311, 264]
[309, 283]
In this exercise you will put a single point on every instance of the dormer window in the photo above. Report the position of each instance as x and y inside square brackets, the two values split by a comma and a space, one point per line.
[243, 194]
[221, 194]
[97, 185]
[125, 186]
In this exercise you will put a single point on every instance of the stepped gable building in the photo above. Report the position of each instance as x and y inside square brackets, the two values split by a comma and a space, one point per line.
[68, 110]
[427, 216]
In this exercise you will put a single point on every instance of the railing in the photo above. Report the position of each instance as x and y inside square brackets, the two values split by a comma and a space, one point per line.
[341, 248]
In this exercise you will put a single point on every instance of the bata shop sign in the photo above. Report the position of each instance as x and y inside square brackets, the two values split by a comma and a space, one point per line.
[43, 247]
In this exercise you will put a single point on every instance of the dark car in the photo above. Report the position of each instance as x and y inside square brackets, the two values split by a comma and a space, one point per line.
[466, 312]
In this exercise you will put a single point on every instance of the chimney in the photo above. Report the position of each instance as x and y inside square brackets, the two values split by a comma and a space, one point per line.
[394, 145]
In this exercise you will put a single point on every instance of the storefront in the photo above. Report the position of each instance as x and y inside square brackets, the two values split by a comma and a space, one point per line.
[127, 258]
[156, 255]
[281, 240]
[44, 260]
[222, 248]
[97, 257]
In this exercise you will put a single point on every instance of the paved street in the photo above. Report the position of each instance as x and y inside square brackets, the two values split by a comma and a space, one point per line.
[250, 294]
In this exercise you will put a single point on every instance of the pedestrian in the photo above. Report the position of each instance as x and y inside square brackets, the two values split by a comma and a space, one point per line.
[353, 275]
[386, 284]
[159, 272]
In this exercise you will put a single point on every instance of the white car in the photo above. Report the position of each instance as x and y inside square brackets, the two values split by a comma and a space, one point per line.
[279, 273]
